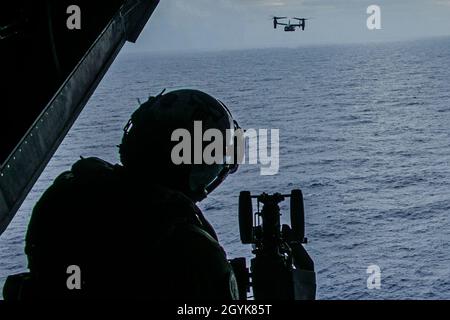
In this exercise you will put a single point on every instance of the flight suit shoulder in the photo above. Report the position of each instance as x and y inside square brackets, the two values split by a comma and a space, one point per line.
[205, 264]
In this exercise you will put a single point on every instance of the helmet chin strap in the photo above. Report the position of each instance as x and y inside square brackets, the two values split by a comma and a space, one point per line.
[216, 182]
[227, 170]
[199, 195]
[202, 192]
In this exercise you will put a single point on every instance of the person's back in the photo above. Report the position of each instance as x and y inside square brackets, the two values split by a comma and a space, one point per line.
[128, 240]
[131, 233]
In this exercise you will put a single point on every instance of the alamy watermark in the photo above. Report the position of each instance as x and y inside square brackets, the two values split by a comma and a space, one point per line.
[374, 20]
[374, 279]
[238, 147]
[73, 22]
[73, 281]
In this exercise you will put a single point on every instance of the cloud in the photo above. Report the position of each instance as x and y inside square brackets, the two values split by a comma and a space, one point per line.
[267, 3]
[443, 2]
[237, 24]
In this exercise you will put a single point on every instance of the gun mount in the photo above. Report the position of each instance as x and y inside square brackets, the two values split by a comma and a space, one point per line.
[281, 268]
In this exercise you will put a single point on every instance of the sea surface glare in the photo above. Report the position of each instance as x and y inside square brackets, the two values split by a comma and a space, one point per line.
[364, 132]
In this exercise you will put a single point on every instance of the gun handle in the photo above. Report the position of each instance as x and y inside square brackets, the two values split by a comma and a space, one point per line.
[302, 260]
[304, 277]
[242, 275]
[298, 215]
[304, 284]
[246, 217]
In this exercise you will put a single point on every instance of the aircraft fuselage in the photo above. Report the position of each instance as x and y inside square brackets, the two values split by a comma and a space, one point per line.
[289, 28]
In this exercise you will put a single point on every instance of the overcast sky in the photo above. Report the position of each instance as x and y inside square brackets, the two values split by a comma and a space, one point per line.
[236, 24]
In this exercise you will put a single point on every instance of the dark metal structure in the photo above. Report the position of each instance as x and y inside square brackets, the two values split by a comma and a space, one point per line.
[49, 71]
[281, 268]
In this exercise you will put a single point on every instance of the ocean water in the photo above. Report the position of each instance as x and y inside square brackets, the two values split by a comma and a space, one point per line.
[364, 132]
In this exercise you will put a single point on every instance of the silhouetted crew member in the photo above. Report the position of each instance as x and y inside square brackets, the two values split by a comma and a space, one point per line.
[134, 229]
